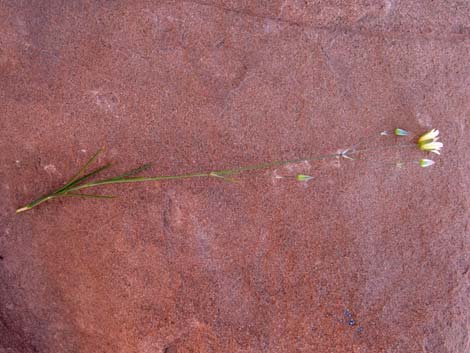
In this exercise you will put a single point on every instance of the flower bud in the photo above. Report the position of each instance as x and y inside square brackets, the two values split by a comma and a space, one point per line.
[302, 177]
[426, 162]
[400, 132]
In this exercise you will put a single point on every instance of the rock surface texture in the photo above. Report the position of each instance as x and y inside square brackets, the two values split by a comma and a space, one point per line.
[364, 258]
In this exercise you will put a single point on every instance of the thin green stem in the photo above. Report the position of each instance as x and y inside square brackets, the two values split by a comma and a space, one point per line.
[137, 180]
[217, 173]
[77, 182]
[89, 196]
[407, 145]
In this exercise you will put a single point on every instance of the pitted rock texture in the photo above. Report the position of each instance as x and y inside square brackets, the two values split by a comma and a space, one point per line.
[364, 258]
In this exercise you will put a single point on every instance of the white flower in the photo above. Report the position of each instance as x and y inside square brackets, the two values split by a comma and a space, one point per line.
[428, 142]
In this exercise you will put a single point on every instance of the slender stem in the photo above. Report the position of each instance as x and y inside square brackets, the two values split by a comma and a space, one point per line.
[74, 184]
[89, 196]
[137, 180]
[407, 145]
[218, 173]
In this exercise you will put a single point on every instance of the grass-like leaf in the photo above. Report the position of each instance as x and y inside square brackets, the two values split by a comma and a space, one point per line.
[83, 169]
[83, 178]
[132, 172]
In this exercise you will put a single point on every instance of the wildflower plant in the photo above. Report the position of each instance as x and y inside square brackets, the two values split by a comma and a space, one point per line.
[83, 178]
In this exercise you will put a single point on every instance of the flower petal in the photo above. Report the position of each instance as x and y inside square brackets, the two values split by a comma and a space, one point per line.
[430, 135]
[430, 145]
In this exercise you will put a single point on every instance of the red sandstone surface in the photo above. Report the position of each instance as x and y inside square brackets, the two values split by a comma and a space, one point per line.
[365, 258]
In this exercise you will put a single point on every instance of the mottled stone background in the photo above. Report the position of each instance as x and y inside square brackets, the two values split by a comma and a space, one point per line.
[365, 258]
